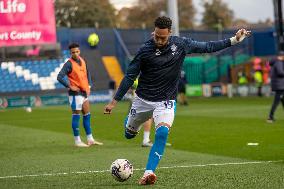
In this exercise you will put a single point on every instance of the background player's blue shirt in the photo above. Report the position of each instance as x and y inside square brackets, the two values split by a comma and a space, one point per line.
[160, 69]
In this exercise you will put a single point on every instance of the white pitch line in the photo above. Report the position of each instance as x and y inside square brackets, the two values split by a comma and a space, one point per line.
[172, 167]
[222, 164]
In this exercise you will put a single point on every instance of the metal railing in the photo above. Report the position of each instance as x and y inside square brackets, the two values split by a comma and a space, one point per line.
[122, 52]
[217, 66]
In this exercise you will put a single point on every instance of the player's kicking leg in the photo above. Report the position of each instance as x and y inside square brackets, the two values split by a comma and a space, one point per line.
[156, 154]
[163, 117]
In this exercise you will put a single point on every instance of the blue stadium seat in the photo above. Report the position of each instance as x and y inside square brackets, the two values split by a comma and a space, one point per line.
[10, 82]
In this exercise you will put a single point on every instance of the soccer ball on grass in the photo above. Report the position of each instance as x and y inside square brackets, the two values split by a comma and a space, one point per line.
[121, 170]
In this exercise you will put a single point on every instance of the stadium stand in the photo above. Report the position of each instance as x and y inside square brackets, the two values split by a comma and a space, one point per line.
[113, 68]
[30, 75]
[41, 75]
[100, 77]
[21, 72]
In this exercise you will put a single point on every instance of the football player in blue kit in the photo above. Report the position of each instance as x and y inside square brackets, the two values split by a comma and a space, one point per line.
[159, 63]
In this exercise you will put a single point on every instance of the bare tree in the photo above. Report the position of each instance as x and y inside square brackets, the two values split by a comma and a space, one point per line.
[217, 15]
[143, 14]
[84, 13]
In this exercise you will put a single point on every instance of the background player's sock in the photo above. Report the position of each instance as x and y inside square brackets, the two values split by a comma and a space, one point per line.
[90, 137]
[77, 139]
[146, 137]
[75, 125]
[158, 148]
[87, 124]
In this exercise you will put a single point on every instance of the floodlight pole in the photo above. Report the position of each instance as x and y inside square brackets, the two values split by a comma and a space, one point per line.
[173, 14]
[278, 17]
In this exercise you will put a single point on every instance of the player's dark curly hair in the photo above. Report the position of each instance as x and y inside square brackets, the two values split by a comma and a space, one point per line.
[73, 45]
[163, 22]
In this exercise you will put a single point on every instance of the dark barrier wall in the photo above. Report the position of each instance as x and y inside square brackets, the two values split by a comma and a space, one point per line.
[262, 42]
[106, 45]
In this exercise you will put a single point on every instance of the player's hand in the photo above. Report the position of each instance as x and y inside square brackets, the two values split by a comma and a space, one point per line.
[74, 88]
[241, 34]
[109, 107]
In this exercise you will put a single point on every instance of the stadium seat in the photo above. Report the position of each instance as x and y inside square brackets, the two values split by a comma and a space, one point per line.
[28, 75]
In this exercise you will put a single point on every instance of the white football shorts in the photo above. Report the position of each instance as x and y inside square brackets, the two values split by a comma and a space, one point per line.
[76, 102]
[142, 110]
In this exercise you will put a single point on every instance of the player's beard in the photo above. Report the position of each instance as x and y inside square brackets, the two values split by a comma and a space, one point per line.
[161, 46]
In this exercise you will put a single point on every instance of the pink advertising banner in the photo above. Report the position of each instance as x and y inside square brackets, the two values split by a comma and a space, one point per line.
[26, 22]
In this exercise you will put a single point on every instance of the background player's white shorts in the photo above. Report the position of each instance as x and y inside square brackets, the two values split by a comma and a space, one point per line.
[76, 102]
[142, 110]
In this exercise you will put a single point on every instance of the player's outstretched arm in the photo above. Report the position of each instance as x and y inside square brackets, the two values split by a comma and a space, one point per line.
[192, 46]
[132, 72]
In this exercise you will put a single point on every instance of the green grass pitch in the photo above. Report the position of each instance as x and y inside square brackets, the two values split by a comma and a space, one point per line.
[209, 148]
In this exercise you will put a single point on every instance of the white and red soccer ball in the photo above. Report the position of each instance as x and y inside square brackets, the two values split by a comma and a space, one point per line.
[121, 170]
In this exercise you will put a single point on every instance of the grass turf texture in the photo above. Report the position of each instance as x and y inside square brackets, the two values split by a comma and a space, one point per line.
[206, 135]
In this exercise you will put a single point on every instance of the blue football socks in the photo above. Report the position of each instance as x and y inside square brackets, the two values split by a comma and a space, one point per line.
[87, 123]
[158, 148]
[75, 124]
